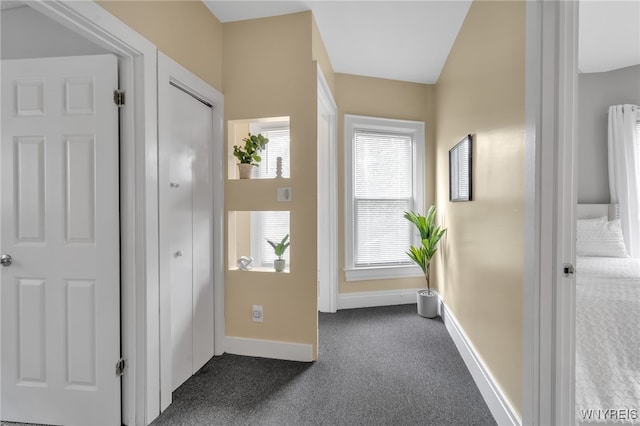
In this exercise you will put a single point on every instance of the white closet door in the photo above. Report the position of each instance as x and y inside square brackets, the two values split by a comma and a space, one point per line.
[61, 295]
[189, 213]
[203, 297]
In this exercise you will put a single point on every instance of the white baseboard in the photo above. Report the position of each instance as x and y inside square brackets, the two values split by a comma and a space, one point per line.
[498, 404]
[269, 349]
[368, 299]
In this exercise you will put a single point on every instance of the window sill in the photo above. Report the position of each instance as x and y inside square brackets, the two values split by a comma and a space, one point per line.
[261, 269]
[383, 273]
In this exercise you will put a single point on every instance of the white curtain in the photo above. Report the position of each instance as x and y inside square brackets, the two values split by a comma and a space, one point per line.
[624, 172]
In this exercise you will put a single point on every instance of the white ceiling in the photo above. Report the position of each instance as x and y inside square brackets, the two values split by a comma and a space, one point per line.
[398, 40]
[609, 35]
[410, 40]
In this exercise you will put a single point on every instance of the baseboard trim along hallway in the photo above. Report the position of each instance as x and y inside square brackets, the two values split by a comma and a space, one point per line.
[498, 404]
[371, 299]
[269, 349]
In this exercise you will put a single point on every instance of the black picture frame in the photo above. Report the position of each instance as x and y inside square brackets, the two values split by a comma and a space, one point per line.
[460, 170]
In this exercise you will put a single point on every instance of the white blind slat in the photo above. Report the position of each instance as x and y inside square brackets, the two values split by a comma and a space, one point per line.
[383, 191]
[383, 165]
[382, 234]
[278, 146]
[272, 225]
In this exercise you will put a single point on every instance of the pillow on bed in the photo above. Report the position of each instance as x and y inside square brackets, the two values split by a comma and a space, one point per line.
[600, 238]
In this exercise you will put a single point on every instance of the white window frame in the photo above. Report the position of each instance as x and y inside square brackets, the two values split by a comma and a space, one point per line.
[257, 233]
[257, 238]
[263, 126]
[416, 130]
[638, 136]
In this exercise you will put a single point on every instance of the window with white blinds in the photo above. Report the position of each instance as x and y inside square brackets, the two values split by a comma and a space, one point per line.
[270, 225]
[384, 178]
[278, 146]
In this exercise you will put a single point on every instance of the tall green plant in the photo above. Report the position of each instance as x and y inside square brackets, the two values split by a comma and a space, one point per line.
[253, 145]
[430, 236]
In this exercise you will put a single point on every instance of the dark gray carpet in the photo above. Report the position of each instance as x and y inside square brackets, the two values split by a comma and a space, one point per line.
[377, 366]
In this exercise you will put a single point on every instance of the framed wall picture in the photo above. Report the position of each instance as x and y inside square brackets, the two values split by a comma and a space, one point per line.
[460, 183]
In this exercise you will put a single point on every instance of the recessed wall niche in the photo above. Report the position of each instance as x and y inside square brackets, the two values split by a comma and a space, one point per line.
[276, 129]
[249, 232]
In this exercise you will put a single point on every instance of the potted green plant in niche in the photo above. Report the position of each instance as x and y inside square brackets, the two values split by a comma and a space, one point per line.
[279, 250]
[249, 154]
[430, 236]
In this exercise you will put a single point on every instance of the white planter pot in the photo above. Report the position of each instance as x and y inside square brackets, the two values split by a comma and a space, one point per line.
[427, 303]
[279, 265]
[245, 170]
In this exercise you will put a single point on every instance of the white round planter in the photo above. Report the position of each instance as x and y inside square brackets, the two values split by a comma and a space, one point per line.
[279, 265]
[427, 303]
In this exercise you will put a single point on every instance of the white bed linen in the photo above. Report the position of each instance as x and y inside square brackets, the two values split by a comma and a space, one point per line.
[608, 339]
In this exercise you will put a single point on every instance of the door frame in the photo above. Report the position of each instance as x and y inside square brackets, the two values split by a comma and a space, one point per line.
[170, 71]
[548, 362]
[138, 198]
[328, 240]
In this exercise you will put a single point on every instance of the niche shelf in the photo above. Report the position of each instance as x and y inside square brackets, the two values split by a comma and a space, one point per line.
[248, 235]
[274, 128]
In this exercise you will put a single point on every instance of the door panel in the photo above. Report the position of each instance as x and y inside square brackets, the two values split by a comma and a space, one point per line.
[202, 303]
[181, 236]
[32, 345]
[29, 189]
[60, 298]
[188, 210]
[79, 190]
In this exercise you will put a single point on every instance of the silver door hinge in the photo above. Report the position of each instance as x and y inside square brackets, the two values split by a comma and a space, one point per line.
[121, 367]
[568, 269]
[118, 97]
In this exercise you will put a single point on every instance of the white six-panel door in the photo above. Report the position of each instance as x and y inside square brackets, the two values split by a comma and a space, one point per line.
[60, 331]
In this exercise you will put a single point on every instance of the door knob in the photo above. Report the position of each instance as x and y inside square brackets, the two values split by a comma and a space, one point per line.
[6, 260]
[178, 253]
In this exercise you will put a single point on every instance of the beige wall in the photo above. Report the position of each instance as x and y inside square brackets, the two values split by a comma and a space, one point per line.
[268, 67]
[377, 97]
[183, 30]
[481, 91]
[268, 71]
[320, 55]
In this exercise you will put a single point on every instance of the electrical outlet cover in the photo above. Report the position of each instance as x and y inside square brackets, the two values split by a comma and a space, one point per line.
[256, 313]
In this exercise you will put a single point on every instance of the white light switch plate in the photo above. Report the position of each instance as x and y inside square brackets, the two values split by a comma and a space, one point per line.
[284, 193]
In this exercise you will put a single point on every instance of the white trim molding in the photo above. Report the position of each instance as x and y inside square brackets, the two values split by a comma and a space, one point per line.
[369, 299]
[328, 275]
[498, 404]
[413, 129]
[138, 197]
[383, 273]
[170, 72]
[549, 211]
[269, 349]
